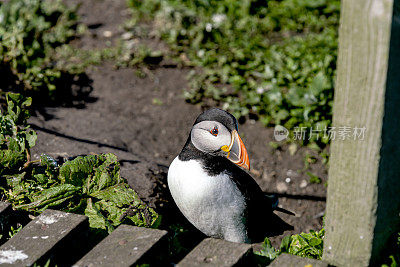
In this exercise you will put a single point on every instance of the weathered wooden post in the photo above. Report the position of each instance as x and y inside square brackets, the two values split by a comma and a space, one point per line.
[363, 203]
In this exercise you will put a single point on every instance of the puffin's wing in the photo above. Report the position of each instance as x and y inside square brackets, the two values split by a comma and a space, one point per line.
[261, 221]
[250, 189]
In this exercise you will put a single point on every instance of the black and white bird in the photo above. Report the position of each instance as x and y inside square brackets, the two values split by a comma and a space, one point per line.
[210, 186]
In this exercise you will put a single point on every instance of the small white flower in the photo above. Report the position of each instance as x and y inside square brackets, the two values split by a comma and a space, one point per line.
[260, 90]
[168, 9]
[200, 53]
[127, 35]
[310, 98]
[268, 72]
[107, 34]
[217, 19]
[208, 27]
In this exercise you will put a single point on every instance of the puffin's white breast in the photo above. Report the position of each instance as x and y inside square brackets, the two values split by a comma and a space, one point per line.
[213, 204]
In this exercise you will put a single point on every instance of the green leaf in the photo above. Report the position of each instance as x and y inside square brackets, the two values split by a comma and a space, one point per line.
[268, 250]
[11, 160]
[119, 194]
[315, 241]
[31, 137]
[285, 243]
[50, 196]
[106, 173]
[314, 179]
[41, 178]
[96, 219]
[281, 115]
[319, 84]
[114, 213]
[77, 171]
[143, 216]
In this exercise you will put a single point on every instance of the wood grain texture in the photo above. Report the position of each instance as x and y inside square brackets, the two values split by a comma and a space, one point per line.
[363, 202]
[217, 252]
[48, 236]
[4, 207]
[124, 247]
[5, 212]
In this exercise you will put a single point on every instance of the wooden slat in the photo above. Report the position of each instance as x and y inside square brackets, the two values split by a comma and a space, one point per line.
[363, 203]
[43, 238]
[217, 252]
[5, 211]
[288, 260]
[125, 246]
[4, 207]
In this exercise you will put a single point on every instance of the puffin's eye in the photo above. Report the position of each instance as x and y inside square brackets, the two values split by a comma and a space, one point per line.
[214, 131]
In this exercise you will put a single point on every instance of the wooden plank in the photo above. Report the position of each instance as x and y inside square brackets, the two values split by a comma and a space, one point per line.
[43, 238]
[288, 260]
[4, 207]
[5, 211]
[363, 203]
[217, 252]
[125, 246]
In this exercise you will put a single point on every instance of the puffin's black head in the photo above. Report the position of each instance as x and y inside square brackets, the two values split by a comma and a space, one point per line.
[215, 132]
[219, 115]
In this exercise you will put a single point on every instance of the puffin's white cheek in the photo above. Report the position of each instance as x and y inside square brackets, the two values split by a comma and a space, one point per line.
[224, 139]
[204, 141]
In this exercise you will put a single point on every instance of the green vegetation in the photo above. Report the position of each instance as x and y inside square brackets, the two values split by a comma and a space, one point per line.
[76, 60]
[272, 59]
[308, 245]
[12, 231]
[16, 138]
[393, 260]
[89, 185]
[30, 30]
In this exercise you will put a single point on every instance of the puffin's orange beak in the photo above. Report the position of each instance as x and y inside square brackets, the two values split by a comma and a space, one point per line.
[236, 152]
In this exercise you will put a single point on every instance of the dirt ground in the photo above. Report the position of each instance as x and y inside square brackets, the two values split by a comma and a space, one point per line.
[122, 117]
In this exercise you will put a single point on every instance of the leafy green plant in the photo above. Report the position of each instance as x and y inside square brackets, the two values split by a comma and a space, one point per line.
[308, 160]
[30, 30]
[13, 231]
[314, 179]
[16, 137]
[121, 54]
[273, 59]
[47, 264]
[309, 245]
[393, 260]
[90, 185]
[267, 252]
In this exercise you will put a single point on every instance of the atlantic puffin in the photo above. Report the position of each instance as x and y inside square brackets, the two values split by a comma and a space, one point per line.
[209, 183]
